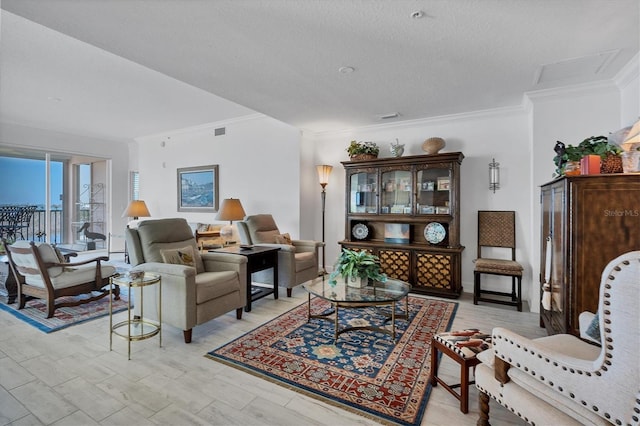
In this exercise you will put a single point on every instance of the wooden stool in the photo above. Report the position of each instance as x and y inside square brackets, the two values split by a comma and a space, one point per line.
[462, 347]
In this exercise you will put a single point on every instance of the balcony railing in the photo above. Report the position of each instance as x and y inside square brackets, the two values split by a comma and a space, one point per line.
[14, 226]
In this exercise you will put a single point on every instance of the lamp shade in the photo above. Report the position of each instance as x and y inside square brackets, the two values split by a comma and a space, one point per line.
[633, 138]
[231, 209]
[136, 209]
[324, 170]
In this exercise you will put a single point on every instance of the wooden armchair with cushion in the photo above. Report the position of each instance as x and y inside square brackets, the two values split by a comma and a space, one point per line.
[297, 259]
[42, 272]
[195, 287]
[563, 380]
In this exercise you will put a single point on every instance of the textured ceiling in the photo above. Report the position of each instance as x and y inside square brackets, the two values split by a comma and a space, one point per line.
[123, 69]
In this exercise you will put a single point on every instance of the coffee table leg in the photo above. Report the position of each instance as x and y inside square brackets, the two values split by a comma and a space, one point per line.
[335, 325]
[393, 320]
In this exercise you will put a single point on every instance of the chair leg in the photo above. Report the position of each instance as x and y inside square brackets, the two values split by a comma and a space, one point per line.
[483, 404]
[51, 307]
[239, 313]
[434, 364]
[514, 297]
[476, 287]
[187, 335]
[520, 294]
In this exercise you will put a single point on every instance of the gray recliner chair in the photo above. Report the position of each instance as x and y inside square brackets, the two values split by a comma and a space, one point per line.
[190, 296]
[297, 262]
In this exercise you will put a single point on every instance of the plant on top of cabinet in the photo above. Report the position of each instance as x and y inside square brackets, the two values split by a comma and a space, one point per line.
[363, 150]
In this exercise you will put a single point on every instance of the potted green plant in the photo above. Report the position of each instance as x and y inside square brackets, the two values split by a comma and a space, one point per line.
[357, 268]
[594, 145]
[363, 150]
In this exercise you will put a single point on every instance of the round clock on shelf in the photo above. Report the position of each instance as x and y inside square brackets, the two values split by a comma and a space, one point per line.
[360, 231]
[435, 232]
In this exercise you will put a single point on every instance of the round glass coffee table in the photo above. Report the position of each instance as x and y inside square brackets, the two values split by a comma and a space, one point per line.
[377, 293]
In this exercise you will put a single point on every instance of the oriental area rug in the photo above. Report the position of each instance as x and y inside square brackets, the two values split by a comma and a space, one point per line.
[35, 311]
[365, 372]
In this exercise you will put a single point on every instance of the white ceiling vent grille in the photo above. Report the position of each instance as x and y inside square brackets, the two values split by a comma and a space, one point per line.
[586, 66]
[220, 131]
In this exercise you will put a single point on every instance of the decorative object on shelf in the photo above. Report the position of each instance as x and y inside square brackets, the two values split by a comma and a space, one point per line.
[443, 183]
[324, 170]
[397, 150]
[357, 267]
[359, 151]
[590, 165]
[136, 209]
[631, 161]
[435, 232]
[494, 175]
[594, 145]
[360, 231]
[231, 209]
[397, 233]
[632, 139]
[433, 145]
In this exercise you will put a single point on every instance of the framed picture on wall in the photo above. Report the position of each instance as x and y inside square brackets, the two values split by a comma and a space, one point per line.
[198, 189]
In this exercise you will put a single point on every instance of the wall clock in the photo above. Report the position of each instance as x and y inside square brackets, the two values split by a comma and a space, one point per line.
[435, 232]
[360, 231]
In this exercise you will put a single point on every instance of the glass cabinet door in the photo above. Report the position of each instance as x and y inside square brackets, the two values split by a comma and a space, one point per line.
[433, 191]
[363, 189]
[396, 192]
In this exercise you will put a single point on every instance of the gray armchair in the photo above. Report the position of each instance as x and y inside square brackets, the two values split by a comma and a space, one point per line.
[297, 262]
[190, 296]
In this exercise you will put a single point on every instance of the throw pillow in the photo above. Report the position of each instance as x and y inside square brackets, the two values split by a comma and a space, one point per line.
[593, 330]
[284, 239]
[181, 256]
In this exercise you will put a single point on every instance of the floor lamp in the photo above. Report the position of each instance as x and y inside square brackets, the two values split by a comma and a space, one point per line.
[324, 171]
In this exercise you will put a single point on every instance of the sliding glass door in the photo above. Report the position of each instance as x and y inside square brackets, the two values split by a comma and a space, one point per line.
[50, 196]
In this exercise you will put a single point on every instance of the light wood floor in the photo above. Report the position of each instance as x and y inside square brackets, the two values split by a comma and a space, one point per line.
[71, 378]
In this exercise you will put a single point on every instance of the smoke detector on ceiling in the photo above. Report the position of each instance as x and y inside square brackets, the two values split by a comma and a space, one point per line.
[417, 14]
[346, 70]
[389, 116]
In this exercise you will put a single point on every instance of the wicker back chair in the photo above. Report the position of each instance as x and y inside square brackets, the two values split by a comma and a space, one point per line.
[497, 229]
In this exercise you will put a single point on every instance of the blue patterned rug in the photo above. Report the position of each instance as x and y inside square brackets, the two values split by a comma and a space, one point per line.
[365, 371]
[35, 311]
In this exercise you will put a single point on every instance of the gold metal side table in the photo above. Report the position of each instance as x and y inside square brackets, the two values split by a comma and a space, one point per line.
[143, 329]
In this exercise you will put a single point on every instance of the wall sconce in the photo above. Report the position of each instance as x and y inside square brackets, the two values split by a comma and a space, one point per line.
[494, 175]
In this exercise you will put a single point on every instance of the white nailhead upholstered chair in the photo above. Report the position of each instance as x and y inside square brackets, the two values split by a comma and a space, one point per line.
[562, 379]
[41, 273]
[191, 295]
[297, 259]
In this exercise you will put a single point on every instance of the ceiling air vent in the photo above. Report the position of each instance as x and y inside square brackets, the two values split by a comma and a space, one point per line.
[220, 131]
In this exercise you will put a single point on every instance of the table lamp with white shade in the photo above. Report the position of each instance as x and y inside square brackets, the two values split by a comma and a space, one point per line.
[231, 209]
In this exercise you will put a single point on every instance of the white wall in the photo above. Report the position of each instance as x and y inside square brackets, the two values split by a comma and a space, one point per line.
[259, 163]
[117, 152]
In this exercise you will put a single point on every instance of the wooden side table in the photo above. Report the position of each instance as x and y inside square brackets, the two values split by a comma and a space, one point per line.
[143, 329]
[259, 258]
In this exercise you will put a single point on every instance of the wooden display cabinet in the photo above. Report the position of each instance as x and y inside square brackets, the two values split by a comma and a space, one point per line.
[389, 203]
[587, 221]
